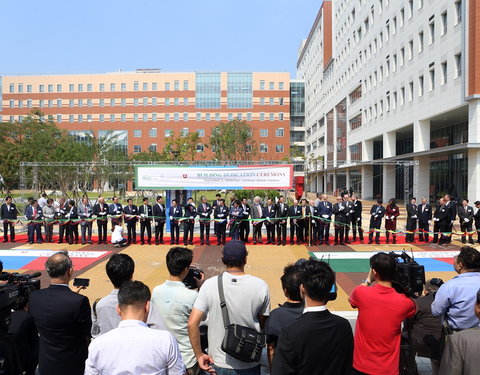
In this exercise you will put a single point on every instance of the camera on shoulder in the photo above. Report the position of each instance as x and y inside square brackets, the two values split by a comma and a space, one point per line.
[193, 273]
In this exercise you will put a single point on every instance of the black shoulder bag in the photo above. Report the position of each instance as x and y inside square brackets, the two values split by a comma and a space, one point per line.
[241, 342]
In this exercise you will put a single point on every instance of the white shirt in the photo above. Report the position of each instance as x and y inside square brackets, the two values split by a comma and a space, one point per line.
[117, 234]
[133, 348]
[42, 202]
[314, 309]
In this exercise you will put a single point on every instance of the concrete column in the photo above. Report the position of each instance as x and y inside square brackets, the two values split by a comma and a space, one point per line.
[334, 140]
[367, 150]
[421, 178]
[347, 179]
[389, 144]
[421, 135]
[474, 121]
[473, 175]
[367, 182]
[388, 182]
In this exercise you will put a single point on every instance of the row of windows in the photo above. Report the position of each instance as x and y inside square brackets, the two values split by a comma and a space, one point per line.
[146, 86]
[185, 116]
[137, 133]
[200, 148]
[29, 103]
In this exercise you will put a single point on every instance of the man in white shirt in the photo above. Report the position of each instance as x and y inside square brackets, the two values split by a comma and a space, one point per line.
[174, 301]
[120, 268]
[133, 347]
[248, 302]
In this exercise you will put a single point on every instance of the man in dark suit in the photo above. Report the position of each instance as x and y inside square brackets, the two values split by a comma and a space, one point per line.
[270, 214]
[63, 321]
[101, 211]
[377, 212]
[424, 219]
[294, 213]
[356, 218]
[324, 209]
[340, 210]
[215, 203]
[412, 216]
[115, 209]
[160, 215]
[85, 212]
[465, 214]
[34, 212]
[61, 211]
[319, 342]
[236, 216]
[257, 223]
[146, 213]
[189, 222]
[131, 213]
[175, 213]
[8, 213]
[451, 207]
[476, 216]
[72, 215]
[443, 218]
[245, 224]
[220, 214]
[282, 214]
[436, 220]
[314, 223]
[204, 213]
[349, 211]
[302, 222]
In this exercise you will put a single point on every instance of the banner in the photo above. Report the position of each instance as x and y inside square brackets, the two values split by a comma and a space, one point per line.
[216, 177]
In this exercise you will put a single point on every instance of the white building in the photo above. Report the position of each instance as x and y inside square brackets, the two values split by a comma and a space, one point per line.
[393, 80]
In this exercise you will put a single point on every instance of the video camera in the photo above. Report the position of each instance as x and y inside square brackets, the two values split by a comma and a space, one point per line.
[411, 274]
[189, 280]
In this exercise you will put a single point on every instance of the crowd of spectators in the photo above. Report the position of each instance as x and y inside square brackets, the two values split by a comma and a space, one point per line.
[135, 331]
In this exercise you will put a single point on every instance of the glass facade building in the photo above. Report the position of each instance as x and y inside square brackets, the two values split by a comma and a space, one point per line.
[208, 90]
[239, 90]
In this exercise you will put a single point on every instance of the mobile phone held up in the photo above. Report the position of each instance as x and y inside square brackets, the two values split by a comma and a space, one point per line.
[81, 282]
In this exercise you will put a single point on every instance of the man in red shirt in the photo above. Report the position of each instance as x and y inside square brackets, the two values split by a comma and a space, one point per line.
[381, 311]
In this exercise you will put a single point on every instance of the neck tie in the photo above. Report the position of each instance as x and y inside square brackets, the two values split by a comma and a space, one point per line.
[204, 208]
[325, 204]
[34, 212]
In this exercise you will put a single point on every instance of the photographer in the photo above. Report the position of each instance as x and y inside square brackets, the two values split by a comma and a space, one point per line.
[381, 313]
[174, 301]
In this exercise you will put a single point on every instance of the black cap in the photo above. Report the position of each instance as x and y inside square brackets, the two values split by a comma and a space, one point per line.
[234, 250]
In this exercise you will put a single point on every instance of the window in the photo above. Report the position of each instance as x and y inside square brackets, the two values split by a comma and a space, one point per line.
[135, 117]
[410, 49]
[185, 101]
[431, 29]
[402, 96]
[185, 116]
[444, 73]
[167, 86]
[137, 148]
[102, 102]
[123, 86]
[217, 116]
[12, 87]
[281, 85]
[271, 101]
[185, 85]
[59, 103]
[123, 102]
[20, 103]
[152, 133]
[262, 85]
[145, 86]
[230, 117]
[89, 87]
[135, 102]
[458, 65]
[410, 91]
[152, 147]
[402, 17]
[262, 101]
[176, 116]
[41, 88]
[71, 87]
[29, 88]
[410, 9]
[420, 42]
[421, 85]
[262, 116]
[432, 78]
[271, 116]
[80, 87]
[444, 20]
[281, 116]
[29, 103]
[200, 147]
[184, 132]
[112, 102]
[59, 118]
[101, 118]
[207, 116]
[279, 132]
[59, 88]
[154, 86]
[80, 118]
[80, 103]
[279, 148]
[12, 103]
[168, 132]
[198, 116]
[137, 133]
[458, 11]
[112, 86]
[154, 101]
[167, 101]
[176, 85]
[176, 101]
[356, 122]
[135, 86]
[50, 88]
[201, 132]
[167, 116]
[102, 87]
[112, 117]
[145, 101]
[263, 148]
[239, 90]
[263, 133]
[123, 117]
[71, 103]
[145, 117]
[402, 56]
[271, 85]
[249, 116]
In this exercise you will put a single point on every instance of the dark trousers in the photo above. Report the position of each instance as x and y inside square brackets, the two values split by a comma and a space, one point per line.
[282, 233]
[244, 230]
[448, 239]
[324, 232]
[131, 231]
[146, 225]
[436, 230]
[235, 230]
[302, 230]
[270, 232]
[188, 232]
[339, 234]
[72, 233]
[221, 232]
[315, 223]
[377, 234]
[174, 232]
[159, 224]
[357, 225]
[35, 229]
[257, 231]
[204, 232]
[423, 229]
[87, 232]
[6, 226]
[102, 231]
[444, 238]
[49, 232]
[411, 226]
[466, 227]
[294, 231]
[63, 232]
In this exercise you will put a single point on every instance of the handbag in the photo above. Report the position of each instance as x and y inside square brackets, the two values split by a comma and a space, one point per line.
[241, 342]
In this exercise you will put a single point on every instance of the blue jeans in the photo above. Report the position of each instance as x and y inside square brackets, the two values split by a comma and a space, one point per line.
[226, 371]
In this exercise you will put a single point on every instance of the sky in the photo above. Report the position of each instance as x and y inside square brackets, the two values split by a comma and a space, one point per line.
[99, 36]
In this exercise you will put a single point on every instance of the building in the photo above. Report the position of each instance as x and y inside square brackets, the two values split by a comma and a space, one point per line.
[142, 108]
[391, 81]
[297, 123]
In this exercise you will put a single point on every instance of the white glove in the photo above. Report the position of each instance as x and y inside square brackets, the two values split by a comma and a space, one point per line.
[466, 220]
[358, 219]
[436, 219]
[191, 217]
[351, 211]
[156, 223]
[220, 215]
[325, 216]
[341, 208]
[373, 214]
[414, 216]
[429, 221]
[451, 222]
[67, 216]
[376, 216]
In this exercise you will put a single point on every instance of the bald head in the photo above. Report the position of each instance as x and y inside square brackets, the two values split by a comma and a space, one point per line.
[59, 266]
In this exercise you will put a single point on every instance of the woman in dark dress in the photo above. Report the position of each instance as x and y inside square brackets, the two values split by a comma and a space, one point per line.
[391, 213]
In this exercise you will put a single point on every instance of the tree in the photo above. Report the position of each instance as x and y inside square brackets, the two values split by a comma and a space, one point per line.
[147, 156]
[182, 147]
[232, 141]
